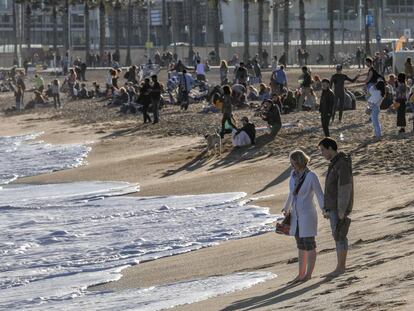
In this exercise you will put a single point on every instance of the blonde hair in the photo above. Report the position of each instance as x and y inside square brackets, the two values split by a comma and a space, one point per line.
[300, 158]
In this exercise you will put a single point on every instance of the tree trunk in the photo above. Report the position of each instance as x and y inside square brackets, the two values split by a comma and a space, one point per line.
[367, 45]
[87, 33]
[331, 32]
[101, 30]
[128, 61]
[55, 32]
[286, 29]
[216, 8]
[15, 31]
[28, 24]
[260, 34]
[190, 27]
[302, 24]
[164, 25]
[117, 26]
[246, 55]
[65, 21]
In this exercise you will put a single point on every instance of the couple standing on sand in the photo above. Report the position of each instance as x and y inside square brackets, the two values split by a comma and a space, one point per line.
[336, 204]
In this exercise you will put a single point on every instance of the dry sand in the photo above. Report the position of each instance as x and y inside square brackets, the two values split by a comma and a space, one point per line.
[167, 159]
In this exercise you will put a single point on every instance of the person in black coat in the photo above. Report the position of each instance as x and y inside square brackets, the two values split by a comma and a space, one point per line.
[327, 104]
[145, 99]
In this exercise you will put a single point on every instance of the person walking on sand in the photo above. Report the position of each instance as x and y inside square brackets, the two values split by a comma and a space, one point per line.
[145, 99]
[56, 93]
[155, 98]
[338, 81]
[326, 106]
[338, 199]
[401, 99]
[303, 186]
[226, 110]
[305, 83]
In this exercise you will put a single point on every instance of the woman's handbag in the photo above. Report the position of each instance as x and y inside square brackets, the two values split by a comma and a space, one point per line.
[284, 226]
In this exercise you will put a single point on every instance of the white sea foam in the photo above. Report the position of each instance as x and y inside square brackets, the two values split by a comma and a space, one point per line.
[24, 156]
[58, 239]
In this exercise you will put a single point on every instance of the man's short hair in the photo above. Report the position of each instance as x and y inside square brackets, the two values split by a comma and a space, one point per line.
[369, 60]
[326, 81]
[328, 142]
[184, 71]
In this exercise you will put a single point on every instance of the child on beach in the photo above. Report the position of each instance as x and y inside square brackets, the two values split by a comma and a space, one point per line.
[55, 93]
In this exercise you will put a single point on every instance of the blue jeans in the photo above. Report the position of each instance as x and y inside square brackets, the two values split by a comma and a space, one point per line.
[341, 245]
[375, 120]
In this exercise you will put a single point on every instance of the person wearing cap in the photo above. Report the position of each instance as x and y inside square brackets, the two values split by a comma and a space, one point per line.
[338, 81]
[326, 106]
[244, 136]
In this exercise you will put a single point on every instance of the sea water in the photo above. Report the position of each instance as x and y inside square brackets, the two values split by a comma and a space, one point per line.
[58, 239]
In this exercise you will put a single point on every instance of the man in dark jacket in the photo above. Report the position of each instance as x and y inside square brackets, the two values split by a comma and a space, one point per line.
[242, 75]
[339, 198]
[338, 82]
[326, 106]
[155, 97]
[145, 99]
[271, 114]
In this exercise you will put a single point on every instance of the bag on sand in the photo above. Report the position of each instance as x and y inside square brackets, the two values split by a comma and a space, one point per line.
[284, 226]
[342, 229]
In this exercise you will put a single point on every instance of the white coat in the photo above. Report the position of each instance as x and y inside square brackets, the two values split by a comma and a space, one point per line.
[304, 211]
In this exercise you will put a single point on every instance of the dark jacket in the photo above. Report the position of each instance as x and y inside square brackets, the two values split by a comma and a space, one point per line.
[339, 185]
[242, 75]
[327, 102]
[307, 80]
[250, 130]
[272, 116]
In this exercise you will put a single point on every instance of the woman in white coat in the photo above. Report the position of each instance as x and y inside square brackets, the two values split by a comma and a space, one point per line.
[303, 185]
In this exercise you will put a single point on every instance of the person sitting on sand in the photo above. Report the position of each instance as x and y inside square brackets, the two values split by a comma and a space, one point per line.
[303, 186]
[39, 83]
[264, 92]
[245, 135]
[83, 92]
[253, 93]
[271, 114]
[289, 102]
[310, 102]
[238, 94]
[97, 90]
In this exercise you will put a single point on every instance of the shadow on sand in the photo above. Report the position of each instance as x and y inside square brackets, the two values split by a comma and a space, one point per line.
[273, 298]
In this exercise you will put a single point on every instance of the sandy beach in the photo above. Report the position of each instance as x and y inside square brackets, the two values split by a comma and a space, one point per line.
[169, 159]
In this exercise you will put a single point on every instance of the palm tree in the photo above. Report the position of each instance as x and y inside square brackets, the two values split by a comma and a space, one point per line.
[367, 46]
[260, 30]
[102, 12]
[302, 24]
[128, 33]
[286, 28]
[15, 29]
[164, 25]
[246, 30]
[216, 6]
[65, 22]
[331, 32]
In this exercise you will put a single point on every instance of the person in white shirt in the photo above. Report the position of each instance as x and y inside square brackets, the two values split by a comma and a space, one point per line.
[377, 93]
[304, 185]
[201, 71]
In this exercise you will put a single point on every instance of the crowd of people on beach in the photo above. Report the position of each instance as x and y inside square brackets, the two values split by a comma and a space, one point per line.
[239, 87]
